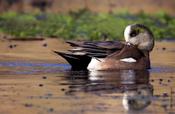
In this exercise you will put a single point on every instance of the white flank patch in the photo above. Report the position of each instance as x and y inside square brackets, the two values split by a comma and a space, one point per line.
[128, 60]
[94, 64]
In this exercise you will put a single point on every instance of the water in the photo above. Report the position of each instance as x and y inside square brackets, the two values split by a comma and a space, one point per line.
[42, 88]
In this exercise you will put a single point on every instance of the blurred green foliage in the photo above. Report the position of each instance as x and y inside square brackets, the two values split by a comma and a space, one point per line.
[83, 24]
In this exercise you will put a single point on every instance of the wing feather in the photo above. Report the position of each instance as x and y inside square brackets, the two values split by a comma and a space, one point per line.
[98, 49]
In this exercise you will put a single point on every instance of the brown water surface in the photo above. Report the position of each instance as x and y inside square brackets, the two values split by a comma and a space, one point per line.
[31, 85]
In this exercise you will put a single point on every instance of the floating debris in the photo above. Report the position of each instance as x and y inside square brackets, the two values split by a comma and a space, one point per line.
[152, 80]
[169, 81]
[165, 95]
[28, 105]
[41, 85]
[12, 46]
[44, 77]
[164, 48]
[160, 80]
[62, 89]
[45, 45]
[50, 110]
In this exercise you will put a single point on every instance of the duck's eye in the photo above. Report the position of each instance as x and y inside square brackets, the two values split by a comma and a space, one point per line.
[134, 33]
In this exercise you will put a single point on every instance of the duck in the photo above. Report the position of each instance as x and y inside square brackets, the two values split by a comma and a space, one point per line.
[131, 54]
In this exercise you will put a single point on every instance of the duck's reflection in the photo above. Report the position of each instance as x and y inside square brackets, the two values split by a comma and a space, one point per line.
[134, 84]
[138, 98]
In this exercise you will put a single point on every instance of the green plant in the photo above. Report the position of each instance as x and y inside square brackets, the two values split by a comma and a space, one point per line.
[83, 24]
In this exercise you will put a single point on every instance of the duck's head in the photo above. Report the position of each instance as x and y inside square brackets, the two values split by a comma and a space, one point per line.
[139, 35]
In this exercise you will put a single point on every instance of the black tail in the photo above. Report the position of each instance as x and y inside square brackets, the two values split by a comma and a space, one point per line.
[78, 62]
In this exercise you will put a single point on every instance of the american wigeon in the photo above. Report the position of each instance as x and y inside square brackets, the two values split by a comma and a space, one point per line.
[112, 55]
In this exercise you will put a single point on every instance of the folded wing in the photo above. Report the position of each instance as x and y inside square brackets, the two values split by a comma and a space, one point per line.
[80, 55]
[99, 49]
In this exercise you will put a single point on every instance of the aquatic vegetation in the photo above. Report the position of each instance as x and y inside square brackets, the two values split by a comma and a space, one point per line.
[83, 24]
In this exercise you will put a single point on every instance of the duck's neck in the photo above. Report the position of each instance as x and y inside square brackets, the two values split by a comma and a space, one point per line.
[146, 53]
[147, 59]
